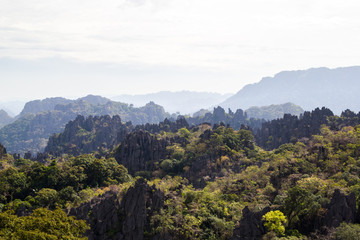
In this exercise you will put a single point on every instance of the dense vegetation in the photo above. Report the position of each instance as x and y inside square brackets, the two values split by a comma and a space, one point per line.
[175, 181]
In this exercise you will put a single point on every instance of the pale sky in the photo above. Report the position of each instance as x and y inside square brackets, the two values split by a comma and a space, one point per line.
[73, 48]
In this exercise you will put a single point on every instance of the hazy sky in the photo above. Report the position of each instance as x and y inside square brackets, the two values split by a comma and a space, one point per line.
[73, 48]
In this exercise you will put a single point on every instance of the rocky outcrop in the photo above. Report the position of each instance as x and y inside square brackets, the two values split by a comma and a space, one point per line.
[250, 226]
[85, 135]
[2, 150]
[235, 120]
[291, 128]
[103, 214]
[128, 219]
[139, 204]
[342, 208]
[139, 151]
[166, 126]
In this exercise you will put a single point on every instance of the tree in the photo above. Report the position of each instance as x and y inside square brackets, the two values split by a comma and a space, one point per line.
[41, 224]
[274, 222]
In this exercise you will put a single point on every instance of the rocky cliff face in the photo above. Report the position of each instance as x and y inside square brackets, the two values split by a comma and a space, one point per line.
[103, 214]
[139, 151]
[342, 208]
[128, 219]
[291, 128]
[139, 204]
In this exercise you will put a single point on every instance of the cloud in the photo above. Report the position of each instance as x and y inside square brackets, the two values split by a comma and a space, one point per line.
[248, 38]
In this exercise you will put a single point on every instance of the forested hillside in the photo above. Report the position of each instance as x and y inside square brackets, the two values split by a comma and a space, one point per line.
[175, 180]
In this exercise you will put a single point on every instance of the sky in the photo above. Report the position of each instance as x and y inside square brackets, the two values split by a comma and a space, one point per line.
[73, 48]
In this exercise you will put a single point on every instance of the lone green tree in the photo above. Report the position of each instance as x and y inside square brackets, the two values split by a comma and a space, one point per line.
[274, 221]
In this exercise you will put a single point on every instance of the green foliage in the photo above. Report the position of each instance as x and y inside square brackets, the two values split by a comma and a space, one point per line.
[274, 221]
[41, 224]
[47, 197]
[347, 231]
[196, 214]
[301, 205]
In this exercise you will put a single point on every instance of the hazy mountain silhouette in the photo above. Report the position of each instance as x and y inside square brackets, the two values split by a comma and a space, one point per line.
[184, 102]
[337, 89]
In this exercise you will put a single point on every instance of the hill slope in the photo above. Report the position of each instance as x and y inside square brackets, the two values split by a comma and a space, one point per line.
[336, 89]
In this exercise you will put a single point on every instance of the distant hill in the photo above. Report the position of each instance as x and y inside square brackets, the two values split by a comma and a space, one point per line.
[48, 104]
[38, 106]
[337, 89]
[274, 111]
[185, 102]
[4, 118]
[31, 131]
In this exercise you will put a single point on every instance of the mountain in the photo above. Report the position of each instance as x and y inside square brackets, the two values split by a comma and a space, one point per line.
[38, 106]
[31, 131]
[48, 104]
[184, 102]
[336, 89]
[4, 118]
[274, 111]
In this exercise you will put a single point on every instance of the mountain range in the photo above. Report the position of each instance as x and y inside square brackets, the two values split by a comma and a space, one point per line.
[336, 89]
[42, 118]
[183, 102]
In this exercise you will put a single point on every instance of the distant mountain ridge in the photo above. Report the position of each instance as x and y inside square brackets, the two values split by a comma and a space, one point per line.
[336, 89]
[274, 111]
[185, 102]
[48, 104]
[31, 131]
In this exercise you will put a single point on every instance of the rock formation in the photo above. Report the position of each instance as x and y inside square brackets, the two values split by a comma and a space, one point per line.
[250, 226]
[85, 135]
[342, 208]
[103, 214]
[138, 205]
[139, 151]
[128, 219]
